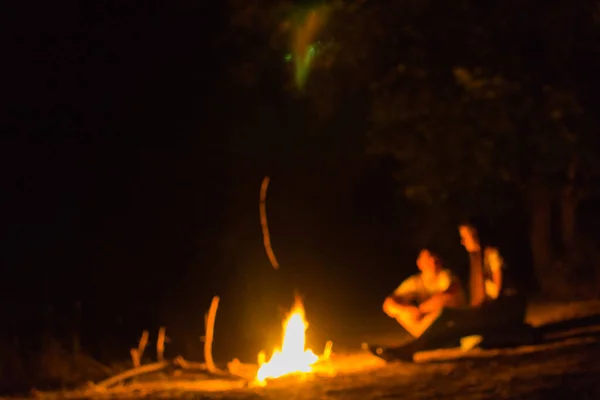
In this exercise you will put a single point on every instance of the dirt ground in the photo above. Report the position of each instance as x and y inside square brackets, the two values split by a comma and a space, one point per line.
[570, 371]
[568, 368]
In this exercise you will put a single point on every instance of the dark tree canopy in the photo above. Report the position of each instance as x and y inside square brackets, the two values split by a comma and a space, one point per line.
[486, 106]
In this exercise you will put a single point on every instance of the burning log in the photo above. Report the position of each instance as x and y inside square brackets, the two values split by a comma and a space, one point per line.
[263, 222]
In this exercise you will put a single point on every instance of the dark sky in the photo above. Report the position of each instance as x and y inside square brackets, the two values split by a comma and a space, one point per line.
[109, 109]
[131, 181]
[131, 161]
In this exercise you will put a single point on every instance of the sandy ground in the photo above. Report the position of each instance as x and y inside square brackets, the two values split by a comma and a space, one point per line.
[570, 370]
[565, 369]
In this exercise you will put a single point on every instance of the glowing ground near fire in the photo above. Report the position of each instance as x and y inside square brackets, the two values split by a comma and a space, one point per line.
[568, 367]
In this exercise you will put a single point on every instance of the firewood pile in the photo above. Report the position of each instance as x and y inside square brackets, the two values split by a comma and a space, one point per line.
[177, 375]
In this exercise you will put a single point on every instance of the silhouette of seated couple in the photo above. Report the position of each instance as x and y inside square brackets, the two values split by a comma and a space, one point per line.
[422, 297]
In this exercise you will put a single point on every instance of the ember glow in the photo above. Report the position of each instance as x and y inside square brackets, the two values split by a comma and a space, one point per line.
[292, 358]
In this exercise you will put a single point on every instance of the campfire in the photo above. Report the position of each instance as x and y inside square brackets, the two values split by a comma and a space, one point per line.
[292, 357]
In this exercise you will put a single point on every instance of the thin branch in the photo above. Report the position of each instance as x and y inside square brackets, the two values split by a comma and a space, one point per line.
[210, 327]
[131, 373]
[263, 222]
[184, 364]
[142, 344]
[160, 344]
[135, 358]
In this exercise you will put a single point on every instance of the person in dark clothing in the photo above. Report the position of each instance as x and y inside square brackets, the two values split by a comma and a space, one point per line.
[490, 284]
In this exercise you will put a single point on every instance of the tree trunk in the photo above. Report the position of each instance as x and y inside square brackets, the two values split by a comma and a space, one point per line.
[569, 201]
[540, 236]
[568, 209]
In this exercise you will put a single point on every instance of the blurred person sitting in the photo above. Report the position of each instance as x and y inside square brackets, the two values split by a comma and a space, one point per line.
[487, 267]
[421, 298]
[492, 289]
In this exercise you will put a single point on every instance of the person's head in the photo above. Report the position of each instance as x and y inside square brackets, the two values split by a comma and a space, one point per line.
[469, 237]
[428, 263]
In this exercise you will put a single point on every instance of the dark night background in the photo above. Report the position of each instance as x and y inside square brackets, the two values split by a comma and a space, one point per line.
[125, 192]
[131, 167]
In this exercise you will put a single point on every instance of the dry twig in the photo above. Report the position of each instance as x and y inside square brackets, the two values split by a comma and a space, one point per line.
[136, 354]
[135, 358]
[142, 344]
[210, 327]
[185, 364]
[160, 344]
[130, 374]
[263, 222]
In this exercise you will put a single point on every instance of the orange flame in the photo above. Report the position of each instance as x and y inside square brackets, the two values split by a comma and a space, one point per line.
[292, 358]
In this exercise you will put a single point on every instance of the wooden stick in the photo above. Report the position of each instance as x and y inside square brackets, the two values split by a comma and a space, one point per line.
[142, 344]
[192, 365]
[160, 344]
[210, 326]
[145, 388]
[184, 364]
[244, 371]
[131, 373]
[263, 222]
[135, 358]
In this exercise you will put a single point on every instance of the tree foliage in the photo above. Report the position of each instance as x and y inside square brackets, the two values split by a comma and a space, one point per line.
[483, 104]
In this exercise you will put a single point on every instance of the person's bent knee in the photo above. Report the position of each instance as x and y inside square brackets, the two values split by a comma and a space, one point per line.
[390, 308]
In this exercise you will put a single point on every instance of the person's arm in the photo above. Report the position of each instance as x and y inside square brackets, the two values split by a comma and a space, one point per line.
[403, 296]
[477, 285]
[450, 289]
[448, 295]
[496, 264]
[403, 299]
